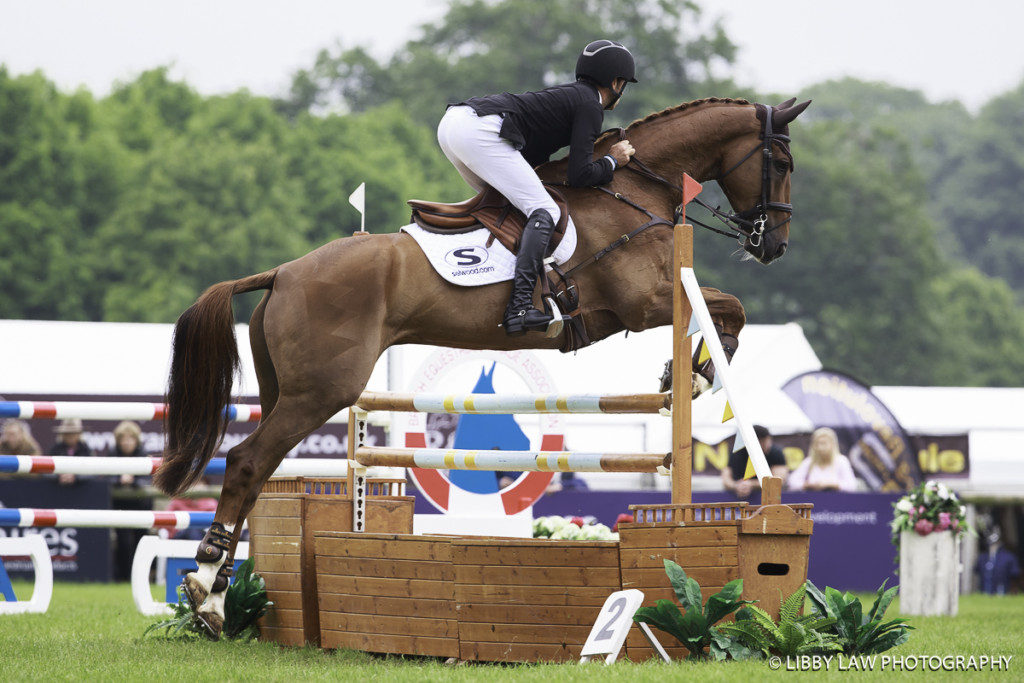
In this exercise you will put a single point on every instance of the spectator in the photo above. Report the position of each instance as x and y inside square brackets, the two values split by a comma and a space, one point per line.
[505, 479]
[568, 481]
[69, 442]
[996, 567]
[824, 468]
[732, 475]
[16, 439]
[128, 444]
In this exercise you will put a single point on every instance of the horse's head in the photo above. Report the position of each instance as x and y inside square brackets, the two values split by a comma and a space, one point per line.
[755, 177]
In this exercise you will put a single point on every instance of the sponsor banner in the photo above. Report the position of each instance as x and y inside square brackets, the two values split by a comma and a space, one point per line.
[938, 457]
[878, 447]
[77, 554]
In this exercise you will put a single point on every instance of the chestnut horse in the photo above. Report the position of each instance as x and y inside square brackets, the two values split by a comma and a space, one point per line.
[328, 316]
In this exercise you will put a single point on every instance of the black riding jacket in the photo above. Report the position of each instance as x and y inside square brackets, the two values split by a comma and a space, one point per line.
[538, 124]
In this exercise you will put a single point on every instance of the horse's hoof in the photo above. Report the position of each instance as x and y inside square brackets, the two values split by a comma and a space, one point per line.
[194, 591]
[698, 385]
[212, 622]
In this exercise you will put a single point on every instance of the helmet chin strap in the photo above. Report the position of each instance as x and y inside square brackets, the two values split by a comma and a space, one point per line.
[616, 94]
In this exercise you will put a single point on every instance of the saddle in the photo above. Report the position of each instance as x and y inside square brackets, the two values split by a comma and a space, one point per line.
[489, 209]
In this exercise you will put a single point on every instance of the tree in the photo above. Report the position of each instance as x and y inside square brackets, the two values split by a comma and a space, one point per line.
[60, 177]
[981, 328]
[979, 194]
[480, 47]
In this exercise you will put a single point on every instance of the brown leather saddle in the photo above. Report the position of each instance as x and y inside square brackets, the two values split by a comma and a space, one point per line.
[489, 209]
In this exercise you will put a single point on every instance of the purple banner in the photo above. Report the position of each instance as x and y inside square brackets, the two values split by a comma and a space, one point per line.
[878, 447]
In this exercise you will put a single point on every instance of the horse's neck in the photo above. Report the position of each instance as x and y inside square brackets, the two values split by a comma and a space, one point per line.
[692, 139]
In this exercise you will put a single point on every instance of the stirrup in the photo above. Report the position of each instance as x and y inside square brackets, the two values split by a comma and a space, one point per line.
[557, 319]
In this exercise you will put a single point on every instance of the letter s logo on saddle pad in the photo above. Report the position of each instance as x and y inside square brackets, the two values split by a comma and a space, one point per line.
[463, 257]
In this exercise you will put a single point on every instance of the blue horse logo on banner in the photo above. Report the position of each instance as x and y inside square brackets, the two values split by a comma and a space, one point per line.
[485, 432]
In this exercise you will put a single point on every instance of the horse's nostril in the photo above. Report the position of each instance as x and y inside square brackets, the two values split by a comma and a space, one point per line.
[781, 250]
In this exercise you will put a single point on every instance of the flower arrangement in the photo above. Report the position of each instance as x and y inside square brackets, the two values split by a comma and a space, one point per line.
[928, 508]
[572, 529]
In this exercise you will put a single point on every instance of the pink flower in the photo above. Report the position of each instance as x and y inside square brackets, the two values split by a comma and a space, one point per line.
[944, 521]
[955, 525]
[924, 527]
[920, 510]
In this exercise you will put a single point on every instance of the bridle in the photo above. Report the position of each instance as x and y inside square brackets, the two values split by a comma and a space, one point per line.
[752, 223]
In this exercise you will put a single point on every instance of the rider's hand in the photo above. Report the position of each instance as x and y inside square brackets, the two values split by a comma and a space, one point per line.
[621, 151]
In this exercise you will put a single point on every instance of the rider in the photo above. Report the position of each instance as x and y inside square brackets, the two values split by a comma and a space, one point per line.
[497, 140]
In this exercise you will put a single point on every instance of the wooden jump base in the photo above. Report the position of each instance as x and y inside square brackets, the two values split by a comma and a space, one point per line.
[495, 599]
[345, 571]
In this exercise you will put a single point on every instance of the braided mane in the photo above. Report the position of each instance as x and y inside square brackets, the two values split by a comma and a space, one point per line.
[672, 110]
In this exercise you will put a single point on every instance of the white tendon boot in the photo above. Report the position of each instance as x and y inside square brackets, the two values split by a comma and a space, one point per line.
[206, 587]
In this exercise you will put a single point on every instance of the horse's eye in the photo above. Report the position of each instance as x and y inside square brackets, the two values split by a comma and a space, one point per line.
[781, 165]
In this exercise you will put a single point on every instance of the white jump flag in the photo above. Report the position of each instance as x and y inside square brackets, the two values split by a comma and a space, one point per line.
[358, 200]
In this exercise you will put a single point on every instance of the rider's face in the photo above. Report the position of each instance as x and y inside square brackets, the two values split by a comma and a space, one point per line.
[618, 86]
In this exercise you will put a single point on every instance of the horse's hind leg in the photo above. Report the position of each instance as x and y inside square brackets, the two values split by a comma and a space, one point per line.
[249, 465]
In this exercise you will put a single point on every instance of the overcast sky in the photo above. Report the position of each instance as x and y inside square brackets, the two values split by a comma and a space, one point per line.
[967, 51]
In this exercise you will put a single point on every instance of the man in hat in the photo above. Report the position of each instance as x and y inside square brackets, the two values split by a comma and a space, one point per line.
[69, 442]
[997, 567]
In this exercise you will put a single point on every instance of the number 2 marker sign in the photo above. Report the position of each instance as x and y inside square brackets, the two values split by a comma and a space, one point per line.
[612, 626]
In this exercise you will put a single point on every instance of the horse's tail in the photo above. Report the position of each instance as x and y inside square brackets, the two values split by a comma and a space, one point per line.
[203, 366]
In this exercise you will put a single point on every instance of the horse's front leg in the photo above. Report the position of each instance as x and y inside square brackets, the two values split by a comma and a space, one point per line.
[728, 316]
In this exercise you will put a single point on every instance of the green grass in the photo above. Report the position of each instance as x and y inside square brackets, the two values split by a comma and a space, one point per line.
[92, 632]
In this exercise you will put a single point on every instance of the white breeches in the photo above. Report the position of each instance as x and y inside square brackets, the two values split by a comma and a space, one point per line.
[481, 157]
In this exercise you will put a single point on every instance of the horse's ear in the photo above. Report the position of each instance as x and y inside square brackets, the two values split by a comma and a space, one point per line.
[783, 117]
[787, 104]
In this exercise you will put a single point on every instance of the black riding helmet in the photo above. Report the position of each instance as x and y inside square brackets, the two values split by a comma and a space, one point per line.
[602, 61]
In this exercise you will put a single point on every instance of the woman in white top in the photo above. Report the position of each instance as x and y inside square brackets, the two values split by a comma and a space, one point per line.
[824, 468]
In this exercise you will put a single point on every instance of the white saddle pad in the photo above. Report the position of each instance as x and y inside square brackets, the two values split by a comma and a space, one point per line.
[465, 259]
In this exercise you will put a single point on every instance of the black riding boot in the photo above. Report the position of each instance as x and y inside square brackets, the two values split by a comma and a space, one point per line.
[520, 315]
